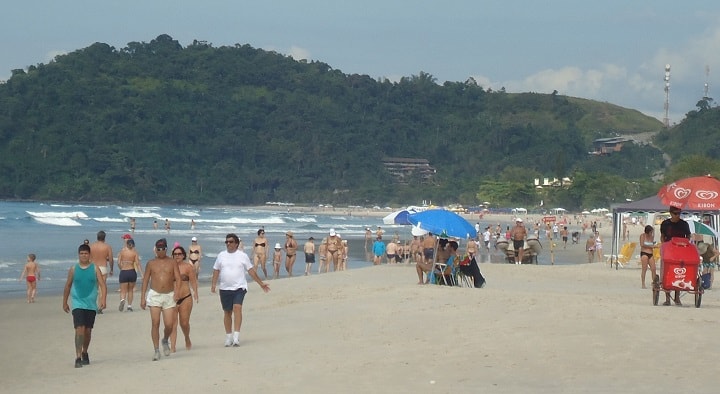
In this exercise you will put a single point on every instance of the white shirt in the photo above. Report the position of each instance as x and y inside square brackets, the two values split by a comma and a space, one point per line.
[486, 236]
[232, 268]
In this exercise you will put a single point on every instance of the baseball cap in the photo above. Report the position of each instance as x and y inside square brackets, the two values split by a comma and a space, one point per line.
[126, 236]
[332, 232]
[194, 239]
[518, 220]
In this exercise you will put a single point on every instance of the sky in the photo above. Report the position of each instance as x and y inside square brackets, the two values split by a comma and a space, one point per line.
[610, 50]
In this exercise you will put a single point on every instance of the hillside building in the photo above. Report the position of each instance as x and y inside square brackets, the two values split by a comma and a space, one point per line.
[405, 169]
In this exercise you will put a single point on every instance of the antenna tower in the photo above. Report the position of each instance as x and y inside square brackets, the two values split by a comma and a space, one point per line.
[707, 86]
[666, 119]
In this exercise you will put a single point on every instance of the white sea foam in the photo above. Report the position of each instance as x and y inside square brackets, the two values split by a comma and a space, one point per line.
[305, 219]
[236, 220]
[110, 220]
[57, 221]
[76, 215]
[140, 214]
[189, 213]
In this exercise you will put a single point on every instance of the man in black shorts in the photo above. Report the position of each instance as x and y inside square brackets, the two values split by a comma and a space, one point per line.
[518, 235]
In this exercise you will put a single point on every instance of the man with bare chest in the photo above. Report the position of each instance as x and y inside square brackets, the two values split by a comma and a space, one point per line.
[518, 235]
[163, 276]
[102, 255]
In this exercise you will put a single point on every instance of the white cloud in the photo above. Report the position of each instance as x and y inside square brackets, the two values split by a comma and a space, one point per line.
[638, 86]
[50, 56]
[298, 53]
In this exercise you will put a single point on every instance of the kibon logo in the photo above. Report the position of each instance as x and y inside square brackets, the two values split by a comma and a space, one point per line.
[706, 194]
[681, 193]
[679, 272]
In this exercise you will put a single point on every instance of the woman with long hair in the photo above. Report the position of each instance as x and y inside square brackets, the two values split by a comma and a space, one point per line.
[188, 288]
[260, 247]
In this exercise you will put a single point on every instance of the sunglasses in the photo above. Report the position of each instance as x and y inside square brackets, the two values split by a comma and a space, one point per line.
[228, 242]
[160, 249]
[177, 254]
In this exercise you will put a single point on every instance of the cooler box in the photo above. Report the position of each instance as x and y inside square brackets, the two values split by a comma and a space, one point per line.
[680, 263]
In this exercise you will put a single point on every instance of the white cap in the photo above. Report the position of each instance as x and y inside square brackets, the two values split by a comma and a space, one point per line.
[194, 239]
[518, 220]
[277, 246]
[332, 232]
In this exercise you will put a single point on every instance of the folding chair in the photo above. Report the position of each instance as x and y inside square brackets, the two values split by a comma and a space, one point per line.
[463, 280]
[625, 255]
[446, 274]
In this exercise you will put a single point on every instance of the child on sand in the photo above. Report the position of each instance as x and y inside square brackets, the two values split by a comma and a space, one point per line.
[277, 258]
[31, 273]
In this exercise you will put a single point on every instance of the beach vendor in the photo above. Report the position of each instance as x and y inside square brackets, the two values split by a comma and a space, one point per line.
[669, 229]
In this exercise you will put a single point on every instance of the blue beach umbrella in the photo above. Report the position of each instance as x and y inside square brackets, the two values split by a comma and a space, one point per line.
[443, 223]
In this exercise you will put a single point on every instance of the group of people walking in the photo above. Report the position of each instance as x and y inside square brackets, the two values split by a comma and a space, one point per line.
[169, 289]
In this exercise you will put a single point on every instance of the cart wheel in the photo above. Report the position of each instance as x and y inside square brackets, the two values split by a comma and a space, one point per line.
[656, 296]
[656, 290]
[698, 293]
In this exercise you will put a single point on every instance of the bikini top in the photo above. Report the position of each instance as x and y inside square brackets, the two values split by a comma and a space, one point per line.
[196, 251]
[185, 278]
[262, 244]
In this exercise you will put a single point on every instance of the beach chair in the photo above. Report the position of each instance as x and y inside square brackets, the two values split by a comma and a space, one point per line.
[624, 256]
[463, 280]
[446, 274]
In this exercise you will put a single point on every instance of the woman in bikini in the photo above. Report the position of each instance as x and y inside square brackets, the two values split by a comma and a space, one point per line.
[290, 252]
[129, 265]
[188, 288]
[260, 247]
[195, 255]
[647, 243]
[334, 250]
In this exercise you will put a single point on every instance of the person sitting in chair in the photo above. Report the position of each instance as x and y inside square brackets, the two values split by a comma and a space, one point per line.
[709, 254]
[469, 267]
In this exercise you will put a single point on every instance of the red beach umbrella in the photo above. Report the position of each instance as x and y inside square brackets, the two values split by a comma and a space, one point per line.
[700, 192]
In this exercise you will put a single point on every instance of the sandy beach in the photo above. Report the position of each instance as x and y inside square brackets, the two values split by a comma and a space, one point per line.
[575, 328]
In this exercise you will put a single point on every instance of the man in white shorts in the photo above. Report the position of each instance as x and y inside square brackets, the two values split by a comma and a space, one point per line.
[163, 275]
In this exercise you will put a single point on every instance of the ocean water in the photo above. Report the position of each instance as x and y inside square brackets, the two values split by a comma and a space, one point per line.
[53, 231]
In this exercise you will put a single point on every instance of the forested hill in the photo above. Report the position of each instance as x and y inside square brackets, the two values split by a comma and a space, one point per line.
[159, 122]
